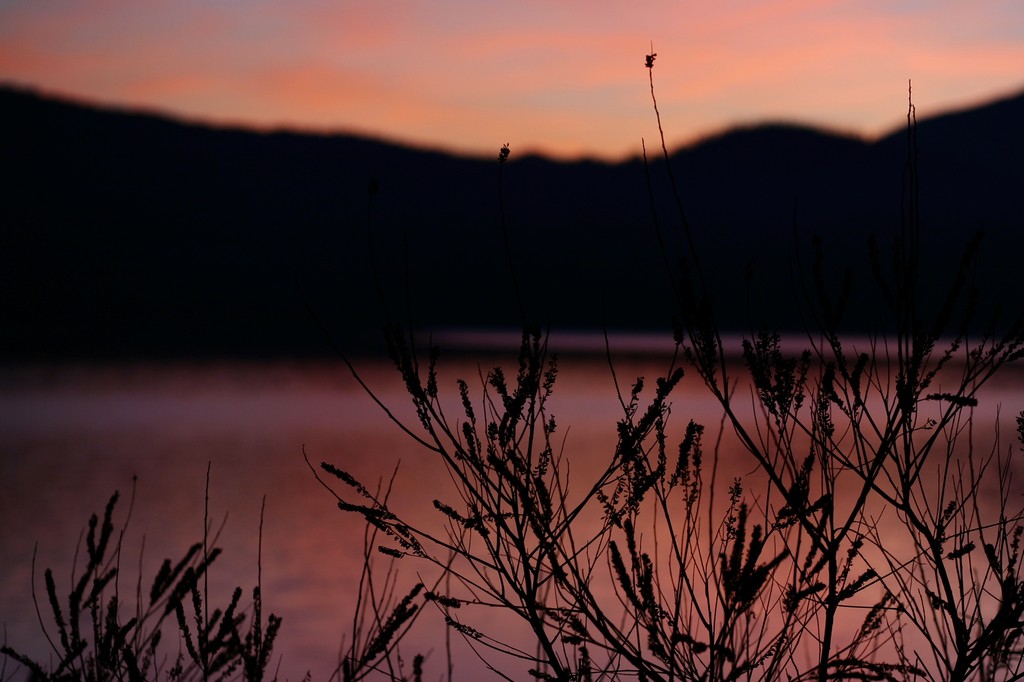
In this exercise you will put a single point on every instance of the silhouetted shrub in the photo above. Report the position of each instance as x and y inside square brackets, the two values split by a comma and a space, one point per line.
[646, 571]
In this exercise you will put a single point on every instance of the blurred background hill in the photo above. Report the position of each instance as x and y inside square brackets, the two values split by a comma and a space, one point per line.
[126, 235]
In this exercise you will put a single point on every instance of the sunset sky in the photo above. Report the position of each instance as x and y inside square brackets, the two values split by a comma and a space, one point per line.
[565, 78]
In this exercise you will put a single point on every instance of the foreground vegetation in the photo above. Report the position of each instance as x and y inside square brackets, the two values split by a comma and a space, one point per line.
[870, 539]
[657, 569]
[94, 640]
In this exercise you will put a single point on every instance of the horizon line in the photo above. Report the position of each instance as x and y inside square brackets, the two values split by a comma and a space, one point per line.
[528, 150]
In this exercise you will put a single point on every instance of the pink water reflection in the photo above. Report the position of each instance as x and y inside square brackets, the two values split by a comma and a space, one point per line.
[71, 436]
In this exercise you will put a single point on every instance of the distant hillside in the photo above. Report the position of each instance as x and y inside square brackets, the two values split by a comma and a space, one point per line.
[135, 236]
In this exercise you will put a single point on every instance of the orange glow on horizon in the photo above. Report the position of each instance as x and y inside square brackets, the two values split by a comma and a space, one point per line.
[567, 80]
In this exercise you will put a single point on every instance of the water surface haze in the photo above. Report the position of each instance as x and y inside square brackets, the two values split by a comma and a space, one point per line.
[72, 434]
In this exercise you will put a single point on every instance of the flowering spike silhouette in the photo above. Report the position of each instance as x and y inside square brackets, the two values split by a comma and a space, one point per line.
[649, 62]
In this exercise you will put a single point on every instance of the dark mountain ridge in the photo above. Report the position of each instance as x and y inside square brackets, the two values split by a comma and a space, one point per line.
[129, 235]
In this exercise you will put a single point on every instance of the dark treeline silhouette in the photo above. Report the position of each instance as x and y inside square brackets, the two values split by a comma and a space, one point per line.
[130, 235]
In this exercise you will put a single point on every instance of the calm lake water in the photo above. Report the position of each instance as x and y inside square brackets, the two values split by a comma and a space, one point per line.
[70, 436]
